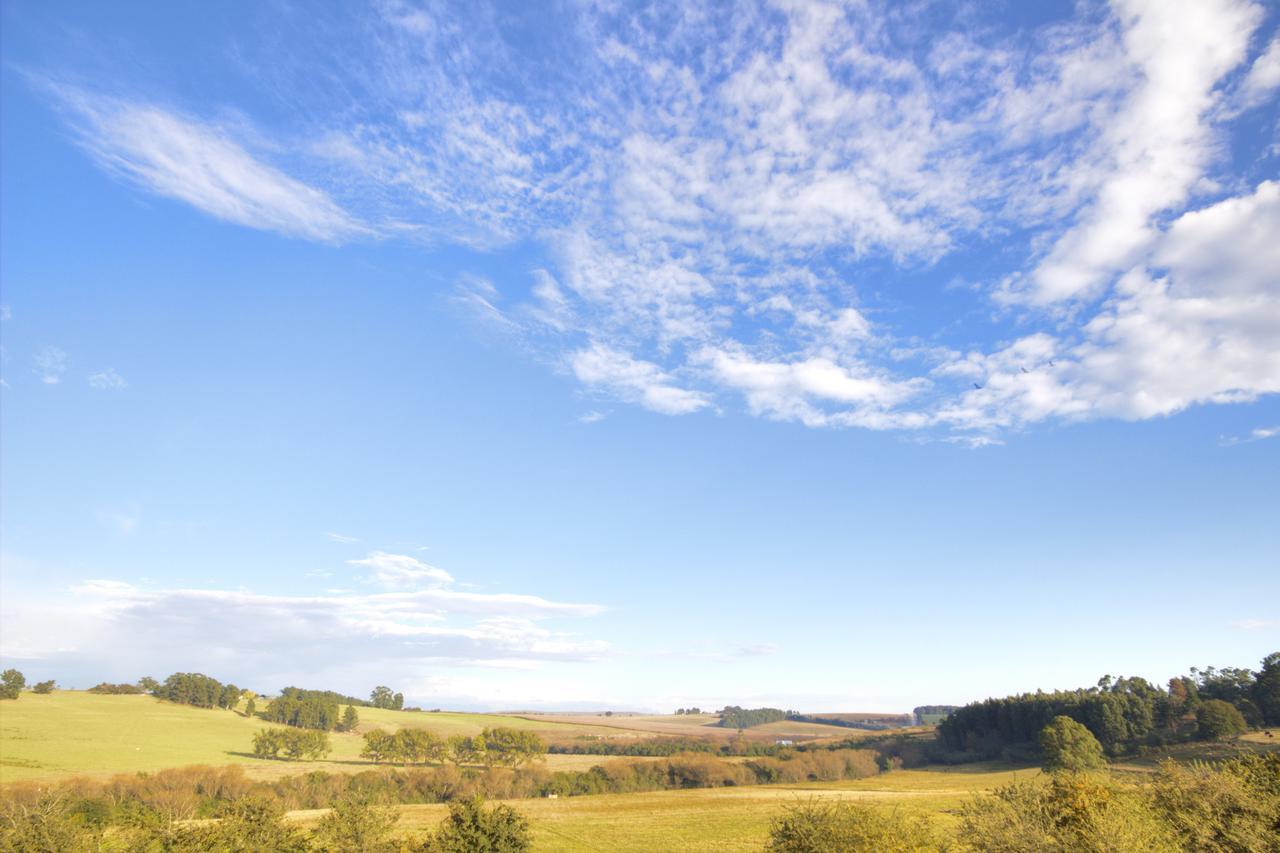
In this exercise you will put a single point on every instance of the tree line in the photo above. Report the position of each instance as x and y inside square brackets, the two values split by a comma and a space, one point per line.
[496, 746]
[734, 717]
[1124, 714]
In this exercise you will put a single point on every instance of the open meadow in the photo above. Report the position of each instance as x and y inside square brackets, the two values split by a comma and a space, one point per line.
[74, 733]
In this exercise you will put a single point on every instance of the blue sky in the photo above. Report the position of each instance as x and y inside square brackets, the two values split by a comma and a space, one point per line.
[837, 358]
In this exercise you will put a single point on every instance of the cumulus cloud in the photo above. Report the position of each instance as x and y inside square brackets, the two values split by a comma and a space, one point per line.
[1157, 146]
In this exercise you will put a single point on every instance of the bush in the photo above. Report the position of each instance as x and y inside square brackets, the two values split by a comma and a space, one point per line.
[44, 687]
[1067, 745]
[1233, 807]
[356, 824]
[826, 827]
[1218, 720]
[471, 828]
[1073, 811]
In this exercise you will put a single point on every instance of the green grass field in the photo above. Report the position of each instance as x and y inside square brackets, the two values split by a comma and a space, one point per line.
[71, 733]
[716, 818]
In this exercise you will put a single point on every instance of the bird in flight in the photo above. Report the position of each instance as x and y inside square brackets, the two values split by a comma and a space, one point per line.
[976, 385]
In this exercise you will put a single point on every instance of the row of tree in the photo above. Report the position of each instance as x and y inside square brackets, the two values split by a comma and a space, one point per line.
[498, 746]
[1122, 713]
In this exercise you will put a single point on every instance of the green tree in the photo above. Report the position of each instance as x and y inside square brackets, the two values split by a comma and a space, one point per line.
[350, 719]
[11, 682]
[267, 743]
[1266, 689]
[148, 684]
[512, 747]
[1067, 745]
[471, 828]
[44, 686]
[250, 708]
[379, 746]
[381, 696]
[1219, 720]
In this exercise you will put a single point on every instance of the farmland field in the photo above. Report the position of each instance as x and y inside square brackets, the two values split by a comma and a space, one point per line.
[694, 725]
[716, 818]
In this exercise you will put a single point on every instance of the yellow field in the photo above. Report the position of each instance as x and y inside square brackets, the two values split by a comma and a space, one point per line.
[696, 725]
[72, 733]
[721, 819]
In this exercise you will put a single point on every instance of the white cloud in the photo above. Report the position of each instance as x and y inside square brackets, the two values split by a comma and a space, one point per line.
[1202, 325]
[401, 570]
[591, 417]
[340, 538]
[1264, 76]
[1156, 147]
[253, 636]
[1254, 624]
[107, 380]
[797, 390]
[201, 165]
[49, 364]
[735, 203]
[634, 379]
[1256, 434]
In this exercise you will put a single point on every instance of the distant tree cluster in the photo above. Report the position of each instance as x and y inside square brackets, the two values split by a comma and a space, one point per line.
[44, 687]
[866, 722]
[382, 697]
[11, 683]
[733, 717]
[303, 709]
[269, 743]
[1124, 713]
[194, 688]
[122, 689]
[498, 746]
[682, 711]
[926, 715]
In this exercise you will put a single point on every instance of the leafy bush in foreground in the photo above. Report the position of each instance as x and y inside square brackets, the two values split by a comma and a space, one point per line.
[827, 827]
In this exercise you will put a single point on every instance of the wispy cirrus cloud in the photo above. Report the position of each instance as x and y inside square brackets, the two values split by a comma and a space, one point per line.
[202, 165]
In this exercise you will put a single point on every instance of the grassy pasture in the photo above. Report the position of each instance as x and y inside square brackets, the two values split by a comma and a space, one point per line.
[715, 818]
[73, 733]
